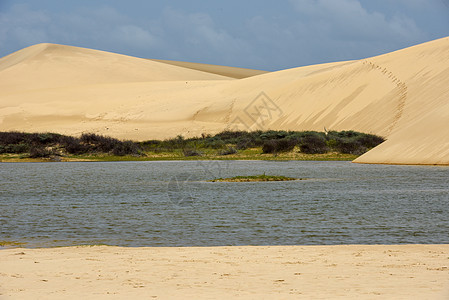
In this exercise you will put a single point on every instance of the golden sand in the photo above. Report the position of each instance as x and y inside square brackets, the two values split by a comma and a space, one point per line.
[284, 272]
[402, 96]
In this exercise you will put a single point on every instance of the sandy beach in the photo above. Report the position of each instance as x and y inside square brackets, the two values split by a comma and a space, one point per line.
[267, 272]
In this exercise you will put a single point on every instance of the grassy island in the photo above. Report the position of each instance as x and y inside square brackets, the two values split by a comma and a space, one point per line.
[255, 178]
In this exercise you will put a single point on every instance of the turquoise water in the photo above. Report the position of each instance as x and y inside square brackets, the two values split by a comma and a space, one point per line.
[170, 203]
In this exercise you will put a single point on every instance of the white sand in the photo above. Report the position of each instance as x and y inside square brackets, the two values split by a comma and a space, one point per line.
[402, 96]
[294, 272]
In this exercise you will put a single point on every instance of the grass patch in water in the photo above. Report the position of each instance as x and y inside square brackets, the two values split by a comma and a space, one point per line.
[255, 178]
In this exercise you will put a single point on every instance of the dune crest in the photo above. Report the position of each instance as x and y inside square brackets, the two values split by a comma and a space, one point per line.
[45, 66]
[403, 96]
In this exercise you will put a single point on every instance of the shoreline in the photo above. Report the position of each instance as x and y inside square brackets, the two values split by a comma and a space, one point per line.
[252, 157]
[244, 272]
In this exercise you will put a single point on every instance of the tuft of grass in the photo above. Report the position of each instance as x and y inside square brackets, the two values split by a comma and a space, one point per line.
[228, 151]
[255, 178]
[11, 244]
[191, 152]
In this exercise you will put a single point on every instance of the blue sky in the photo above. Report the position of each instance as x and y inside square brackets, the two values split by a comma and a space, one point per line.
[269, 35]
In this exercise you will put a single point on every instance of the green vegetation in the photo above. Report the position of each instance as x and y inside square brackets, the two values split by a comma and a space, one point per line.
[11, 244]
[44, 145]
[260, 145]
[255, 178]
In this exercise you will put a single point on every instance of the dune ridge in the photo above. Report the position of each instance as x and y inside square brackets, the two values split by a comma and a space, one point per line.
[232, 72]
[403, 96]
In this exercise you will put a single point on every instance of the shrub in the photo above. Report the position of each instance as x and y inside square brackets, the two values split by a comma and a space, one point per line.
[228, 151]
[370, 140]
[215, 144]
[11, 138]
[351, 142]
[15, 148]
[73, 145]
[40, 152]
[126, 148]
[99, 143]
[349, 145]
[244, 144]
[313, 144]
[44, 138]
[278, 145]
[176, 143]
[269, 147]
[191, 152]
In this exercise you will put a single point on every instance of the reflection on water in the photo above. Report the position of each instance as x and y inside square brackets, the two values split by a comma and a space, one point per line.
[171, 204]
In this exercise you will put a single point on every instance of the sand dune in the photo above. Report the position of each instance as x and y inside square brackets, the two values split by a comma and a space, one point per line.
[237, 73]
[402, 96]
[47, 66]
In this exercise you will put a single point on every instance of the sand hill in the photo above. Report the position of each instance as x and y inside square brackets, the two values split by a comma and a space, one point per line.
[403, 96]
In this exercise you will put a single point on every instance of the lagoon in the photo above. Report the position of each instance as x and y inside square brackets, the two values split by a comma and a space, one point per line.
[170, 203]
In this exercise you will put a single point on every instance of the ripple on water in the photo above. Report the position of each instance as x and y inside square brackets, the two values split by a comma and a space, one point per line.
[170, 204]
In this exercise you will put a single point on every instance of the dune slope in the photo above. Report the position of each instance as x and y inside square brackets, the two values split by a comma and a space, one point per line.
[403, 96]
[50, 66]
[237, 73]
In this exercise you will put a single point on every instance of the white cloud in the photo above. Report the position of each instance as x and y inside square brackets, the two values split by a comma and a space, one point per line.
[300, 32]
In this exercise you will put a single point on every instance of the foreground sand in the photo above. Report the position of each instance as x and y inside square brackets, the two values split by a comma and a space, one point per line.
[286, 272]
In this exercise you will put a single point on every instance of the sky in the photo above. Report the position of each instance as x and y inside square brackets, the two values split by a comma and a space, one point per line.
[267, 35]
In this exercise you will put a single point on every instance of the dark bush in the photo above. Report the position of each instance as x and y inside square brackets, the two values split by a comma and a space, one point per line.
[313, 144]
[40, 152]
[15, 148]
[13, 137]
[279, 145]
[351, 142]
[73, 145]
[269, 147]
[244, 144]
[349, 146]
[126, 148]
[176, 143]
[370, 140]
[44, 139]
[191, 152]
[99, 143]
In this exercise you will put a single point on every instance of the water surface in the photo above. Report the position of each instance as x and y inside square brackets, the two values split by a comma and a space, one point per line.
[169, 203]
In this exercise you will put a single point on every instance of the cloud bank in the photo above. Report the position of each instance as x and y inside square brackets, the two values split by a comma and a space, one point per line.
[298, 32]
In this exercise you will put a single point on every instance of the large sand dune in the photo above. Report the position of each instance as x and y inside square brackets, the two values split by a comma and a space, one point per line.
[403, 96]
